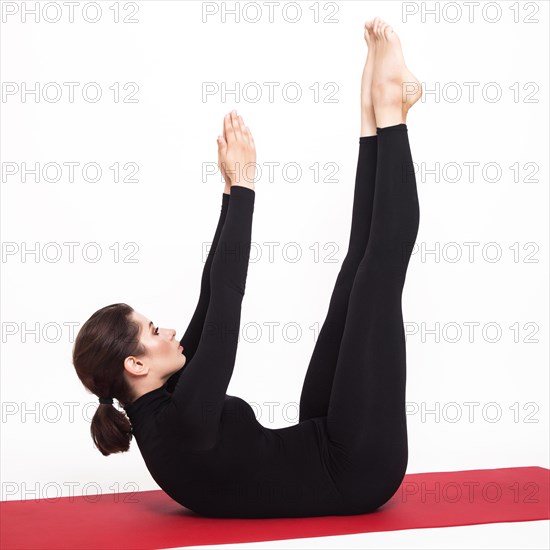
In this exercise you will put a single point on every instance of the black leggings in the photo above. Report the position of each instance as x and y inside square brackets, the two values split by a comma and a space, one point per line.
[357, 374]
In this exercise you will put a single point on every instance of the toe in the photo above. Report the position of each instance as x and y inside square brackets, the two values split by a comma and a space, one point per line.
[370, 30]
[377, 28]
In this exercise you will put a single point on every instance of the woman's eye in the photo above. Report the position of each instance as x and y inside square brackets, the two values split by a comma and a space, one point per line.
[156, 330]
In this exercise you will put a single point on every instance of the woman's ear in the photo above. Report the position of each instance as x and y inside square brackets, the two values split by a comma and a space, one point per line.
[135, 366]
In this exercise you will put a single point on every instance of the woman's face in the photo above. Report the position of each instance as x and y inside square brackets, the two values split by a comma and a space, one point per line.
[163, 356]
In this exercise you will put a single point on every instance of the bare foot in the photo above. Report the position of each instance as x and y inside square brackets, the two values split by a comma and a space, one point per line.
[368, 120]
[394, 88]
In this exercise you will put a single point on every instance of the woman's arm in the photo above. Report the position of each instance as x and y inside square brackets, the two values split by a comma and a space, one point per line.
[200, 391]
[190, 339]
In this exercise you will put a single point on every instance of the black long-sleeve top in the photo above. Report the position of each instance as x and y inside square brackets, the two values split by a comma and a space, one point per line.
[205, 448]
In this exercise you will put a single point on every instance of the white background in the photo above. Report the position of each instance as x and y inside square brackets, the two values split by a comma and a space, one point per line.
[172, 210]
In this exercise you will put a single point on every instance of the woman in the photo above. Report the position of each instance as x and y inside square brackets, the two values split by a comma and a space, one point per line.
[348, 453]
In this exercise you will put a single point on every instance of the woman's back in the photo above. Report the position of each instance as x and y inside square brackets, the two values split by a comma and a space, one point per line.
[251, 471]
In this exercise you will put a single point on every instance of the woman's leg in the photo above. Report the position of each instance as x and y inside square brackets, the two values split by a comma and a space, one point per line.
[317, 386]
[366, 419]
[320, 373]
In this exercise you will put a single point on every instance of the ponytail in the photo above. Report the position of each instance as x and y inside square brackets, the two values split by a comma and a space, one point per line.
[101, 347]
[111, 430]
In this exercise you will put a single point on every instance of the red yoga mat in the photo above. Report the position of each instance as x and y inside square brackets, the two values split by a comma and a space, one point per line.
[151, 519]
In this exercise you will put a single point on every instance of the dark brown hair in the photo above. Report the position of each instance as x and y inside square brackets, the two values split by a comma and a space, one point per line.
[101, 346]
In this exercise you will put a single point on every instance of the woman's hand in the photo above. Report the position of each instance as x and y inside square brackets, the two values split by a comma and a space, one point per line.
[237, 152]
[222, 162]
